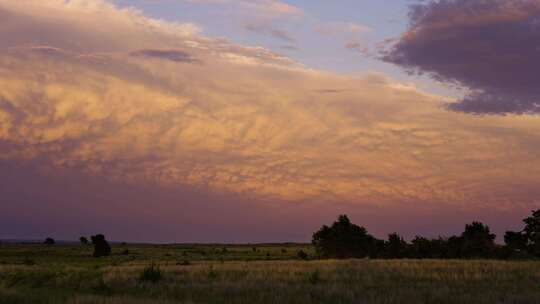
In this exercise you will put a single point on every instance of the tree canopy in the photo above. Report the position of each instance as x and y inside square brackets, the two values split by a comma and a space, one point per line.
[343, 239]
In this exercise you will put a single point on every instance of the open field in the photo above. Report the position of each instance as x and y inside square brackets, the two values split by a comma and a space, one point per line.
[240, 274]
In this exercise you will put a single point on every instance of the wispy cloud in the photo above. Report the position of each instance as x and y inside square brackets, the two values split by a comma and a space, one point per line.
[266, 7]
[268, 29]
[334, 28]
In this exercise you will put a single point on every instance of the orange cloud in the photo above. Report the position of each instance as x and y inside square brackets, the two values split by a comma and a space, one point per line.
[240, 119]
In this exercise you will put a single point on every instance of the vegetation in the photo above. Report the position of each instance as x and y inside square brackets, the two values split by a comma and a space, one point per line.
[344, 239]
[101, 246]
[151, 274]
[69, 274]
[83, 240]
[49, 241]
[344, 264]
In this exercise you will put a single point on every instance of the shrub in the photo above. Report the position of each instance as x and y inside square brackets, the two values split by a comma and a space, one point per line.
[101, 246]
[302, 255]
[28, 262]
[212, 274]
[49, 241]
[151, 274]
[314, 277]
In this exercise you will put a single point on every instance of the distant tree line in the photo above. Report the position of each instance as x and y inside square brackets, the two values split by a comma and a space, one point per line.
[344, 239]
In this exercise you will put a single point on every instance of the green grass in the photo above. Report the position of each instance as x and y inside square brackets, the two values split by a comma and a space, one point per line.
[68, 274]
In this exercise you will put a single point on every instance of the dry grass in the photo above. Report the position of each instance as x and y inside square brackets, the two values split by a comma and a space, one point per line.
[278, 281]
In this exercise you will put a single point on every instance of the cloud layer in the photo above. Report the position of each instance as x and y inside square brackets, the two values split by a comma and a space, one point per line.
[144, 102]
[490, 47]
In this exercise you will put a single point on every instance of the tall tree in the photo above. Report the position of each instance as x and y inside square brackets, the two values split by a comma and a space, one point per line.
[478, 241]
[344, 240]
[532, 230]
[395, 247]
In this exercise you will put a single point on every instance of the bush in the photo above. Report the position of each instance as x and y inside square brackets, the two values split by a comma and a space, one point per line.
[302, 255]
[314, 277]
[151, 274]
[28, 262]
[83, 240]
[101, 246]
[49, 241]
[212, 274]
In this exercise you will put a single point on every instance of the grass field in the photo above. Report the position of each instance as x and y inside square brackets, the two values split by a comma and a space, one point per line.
[243, 274]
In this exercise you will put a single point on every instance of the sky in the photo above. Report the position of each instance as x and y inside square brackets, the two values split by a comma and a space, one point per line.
[259, 121]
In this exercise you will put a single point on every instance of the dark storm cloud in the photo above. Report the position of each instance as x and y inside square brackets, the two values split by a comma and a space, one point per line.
[172, 55]
[492, 47]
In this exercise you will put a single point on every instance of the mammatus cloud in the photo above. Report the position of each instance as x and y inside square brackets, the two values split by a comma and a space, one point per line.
[490, 47]
[135, 100]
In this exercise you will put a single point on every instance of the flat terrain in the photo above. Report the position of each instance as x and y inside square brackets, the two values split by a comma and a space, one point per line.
[251, 274]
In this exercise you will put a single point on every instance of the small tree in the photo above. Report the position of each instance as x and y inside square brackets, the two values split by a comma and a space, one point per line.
[83, 240]
[101, 246]
[49, 241]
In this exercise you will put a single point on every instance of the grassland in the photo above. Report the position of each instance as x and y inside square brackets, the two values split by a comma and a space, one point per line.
[240, 274]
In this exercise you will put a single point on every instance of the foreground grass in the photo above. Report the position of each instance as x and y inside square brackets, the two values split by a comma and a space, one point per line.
[119, 279]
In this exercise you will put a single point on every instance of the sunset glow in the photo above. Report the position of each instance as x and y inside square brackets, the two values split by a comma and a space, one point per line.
[235, 121]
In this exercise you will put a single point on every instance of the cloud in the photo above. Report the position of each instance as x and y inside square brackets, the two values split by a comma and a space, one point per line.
[359, 47]
[334, 28]
[489, 47]
[265, 7]
[173, 55]
[268, 29]
[117, 102]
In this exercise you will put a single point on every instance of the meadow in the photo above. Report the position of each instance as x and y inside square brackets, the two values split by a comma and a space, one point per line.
[251, 274]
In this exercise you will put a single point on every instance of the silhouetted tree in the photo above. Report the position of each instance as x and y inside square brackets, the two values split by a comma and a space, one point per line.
[49, 241]
[101, 246]
[515, 240]
[450, 248]
[83, 240]
[532, 231]
[395, 247]
[344, 240]
[422, 248]
[477, 241]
